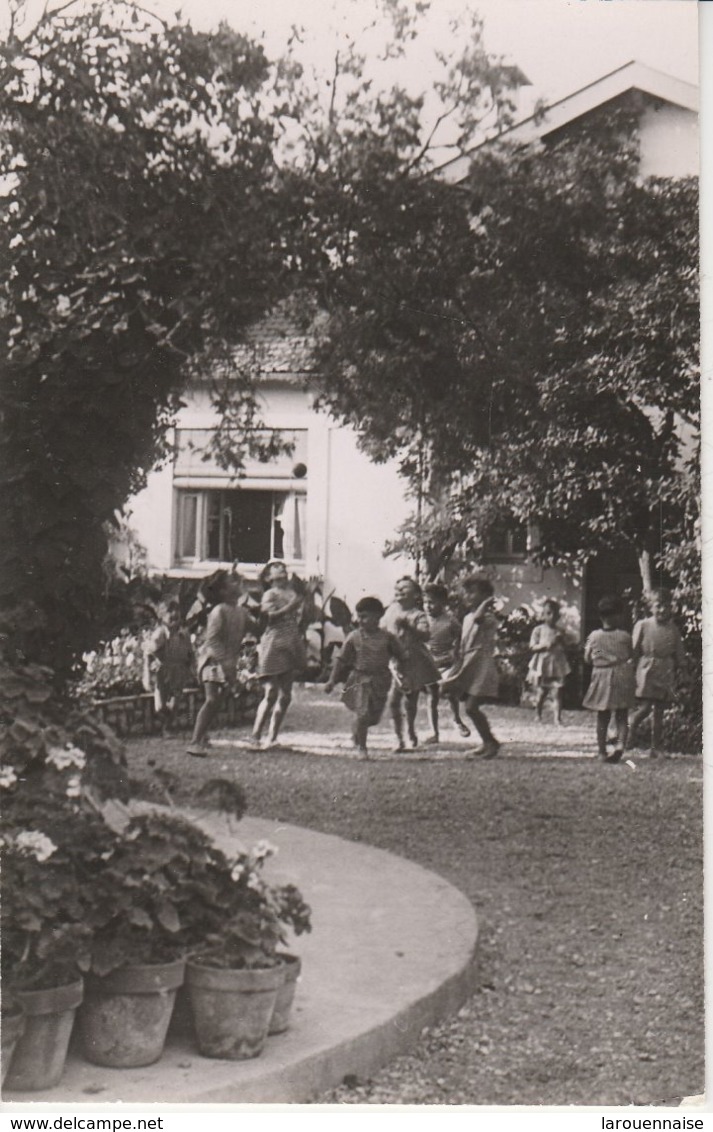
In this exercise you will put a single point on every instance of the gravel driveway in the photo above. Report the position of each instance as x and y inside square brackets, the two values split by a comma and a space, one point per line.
[587, 881]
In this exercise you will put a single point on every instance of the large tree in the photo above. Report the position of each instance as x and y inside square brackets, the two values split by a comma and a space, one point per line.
[140, 220]
[526, 344]
[162, 188]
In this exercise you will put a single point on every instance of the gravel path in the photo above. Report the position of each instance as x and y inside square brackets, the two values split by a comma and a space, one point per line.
[587, 881]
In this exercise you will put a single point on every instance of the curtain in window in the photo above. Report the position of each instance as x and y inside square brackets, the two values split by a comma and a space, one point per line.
[290, 509]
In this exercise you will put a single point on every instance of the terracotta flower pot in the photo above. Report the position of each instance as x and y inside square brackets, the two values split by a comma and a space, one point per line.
[232, 1009]
[13, 1024]
[125, 1015]
[291, 968]
[41, 1049]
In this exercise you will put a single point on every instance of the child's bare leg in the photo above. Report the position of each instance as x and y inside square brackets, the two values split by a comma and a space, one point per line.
[395, 699]
[265, 707]
[621, 717]
[539, 705]
[359, 732]
[207, 714]
[411, 709]
[433, 700]
[482, 726]
[455, 708]
[284, 699]
[656, 726]
[638, 718]
[557, 705]
[603, 718]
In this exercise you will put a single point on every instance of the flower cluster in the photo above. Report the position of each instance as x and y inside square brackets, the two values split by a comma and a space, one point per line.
[93, 887]
[116, 669]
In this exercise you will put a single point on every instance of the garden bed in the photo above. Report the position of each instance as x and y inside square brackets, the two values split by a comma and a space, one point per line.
[135, 715]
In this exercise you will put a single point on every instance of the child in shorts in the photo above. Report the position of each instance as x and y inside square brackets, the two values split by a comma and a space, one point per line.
[444, 635]
[365, 664]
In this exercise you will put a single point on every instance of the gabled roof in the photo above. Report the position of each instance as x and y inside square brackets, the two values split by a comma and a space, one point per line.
[630, 76]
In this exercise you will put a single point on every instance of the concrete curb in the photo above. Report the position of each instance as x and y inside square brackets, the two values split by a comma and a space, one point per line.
[391, 952]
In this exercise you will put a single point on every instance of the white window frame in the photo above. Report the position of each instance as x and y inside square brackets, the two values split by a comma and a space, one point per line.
[200, 535]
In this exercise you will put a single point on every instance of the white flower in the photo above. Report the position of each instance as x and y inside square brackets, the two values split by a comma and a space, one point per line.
[255, 883]
[237, 871]
[62, 757]
[7, 777]
[74, 787]
[36, 843]
[263, 850]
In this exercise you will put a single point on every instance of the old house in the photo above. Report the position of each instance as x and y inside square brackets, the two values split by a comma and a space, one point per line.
[326, 508]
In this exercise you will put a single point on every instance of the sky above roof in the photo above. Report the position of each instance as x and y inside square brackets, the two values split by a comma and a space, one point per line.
[559, 44]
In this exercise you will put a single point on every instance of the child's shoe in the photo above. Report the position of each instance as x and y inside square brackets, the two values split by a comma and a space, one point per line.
[198, 750]
[490, 749]
[432, 741]
[465, 731]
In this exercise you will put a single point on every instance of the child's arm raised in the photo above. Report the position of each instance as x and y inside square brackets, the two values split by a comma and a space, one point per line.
[274, 609]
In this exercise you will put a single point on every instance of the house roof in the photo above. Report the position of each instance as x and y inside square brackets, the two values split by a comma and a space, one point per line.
[630, 76]
[275, 346]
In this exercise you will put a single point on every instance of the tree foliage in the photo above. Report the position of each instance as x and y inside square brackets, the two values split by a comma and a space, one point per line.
[139, 220]
[526, 344]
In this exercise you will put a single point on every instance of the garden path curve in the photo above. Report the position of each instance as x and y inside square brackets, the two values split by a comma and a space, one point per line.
[391, 952]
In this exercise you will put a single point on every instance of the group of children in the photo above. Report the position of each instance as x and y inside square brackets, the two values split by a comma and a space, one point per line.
[628, 668]
[394, 654]
[281, 654]
[416, 645]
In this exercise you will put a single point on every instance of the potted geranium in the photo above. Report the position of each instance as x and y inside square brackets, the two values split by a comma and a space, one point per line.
[233, 980]
[154, 885]
[52, 839]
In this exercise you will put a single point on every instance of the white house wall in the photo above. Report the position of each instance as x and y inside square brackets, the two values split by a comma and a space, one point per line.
[353, 505]
[668, 142]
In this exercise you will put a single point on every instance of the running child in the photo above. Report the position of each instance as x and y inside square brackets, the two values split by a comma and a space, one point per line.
[364, 664]
[474, 676]
[548, 664]
[659, 656]
[611, 687]
[218, 655]
[408, 623]
[171, 663]
[444, 634]
[281, 651]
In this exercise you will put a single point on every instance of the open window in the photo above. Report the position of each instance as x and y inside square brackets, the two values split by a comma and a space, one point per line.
[246, 525]
[510, 540]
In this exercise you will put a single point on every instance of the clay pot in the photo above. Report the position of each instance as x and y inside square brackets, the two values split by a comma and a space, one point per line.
[232, 1009]
[125, 1015]
[13, 1024]
[41, 1049]
[291, 968]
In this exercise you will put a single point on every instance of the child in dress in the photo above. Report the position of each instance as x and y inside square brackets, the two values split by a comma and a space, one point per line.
[659, 656]
[408, 623]
[474, 676]
[170, 660]
[548, 665]
[218, 654]
[281, 652]
[444, 635]
[364, 663]
[611, 687]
